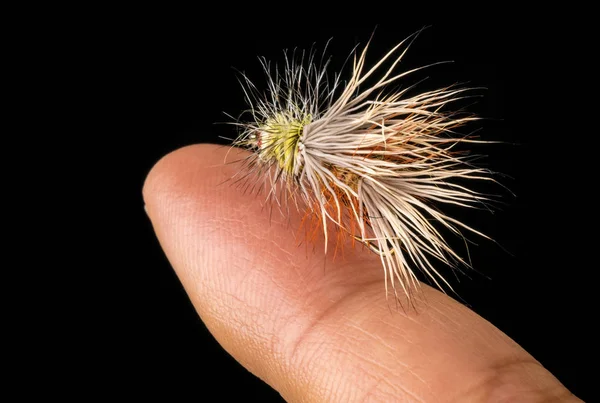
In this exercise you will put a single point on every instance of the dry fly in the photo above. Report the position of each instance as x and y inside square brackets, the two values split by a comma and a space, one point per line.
[373, 163]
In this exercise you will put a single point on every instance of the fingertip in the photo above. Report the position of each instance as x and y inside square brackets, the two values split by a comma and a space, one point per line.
[173, 171]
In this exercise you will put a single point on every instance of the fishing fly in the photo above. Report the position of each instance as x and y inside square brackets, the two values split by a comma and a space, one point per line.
[371, 162]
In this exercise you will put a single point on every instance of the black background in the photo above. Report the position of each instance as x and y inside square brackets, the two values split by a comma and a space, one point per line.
[171, 77]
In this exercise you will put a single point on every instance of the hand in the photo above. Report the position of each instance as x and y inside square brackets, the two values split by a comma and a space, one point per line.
[315, 328]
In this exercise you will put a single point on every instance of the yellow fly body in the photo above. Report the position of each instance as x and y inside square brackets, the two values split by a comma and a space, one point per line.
[277, 139]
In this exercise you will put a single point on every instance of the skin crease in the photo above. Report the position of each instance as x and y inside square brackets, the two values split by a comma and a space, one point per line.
[315, 328]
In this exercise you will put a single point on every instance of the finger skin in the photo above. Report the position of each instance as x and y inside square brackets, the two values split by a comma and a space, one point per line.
[318, 328]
